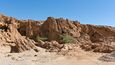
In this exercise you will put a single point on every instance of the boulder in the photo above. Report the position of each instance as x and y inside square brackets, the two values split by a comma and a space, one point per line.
[108, 57]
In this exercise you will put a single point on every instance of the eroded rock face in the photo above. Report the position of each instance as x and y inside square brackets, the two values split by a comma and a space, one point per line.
[29, 28]
[99, 33]
[9, 36]
[101, 38]
[16, 33]
[52, 28]
[88, 36]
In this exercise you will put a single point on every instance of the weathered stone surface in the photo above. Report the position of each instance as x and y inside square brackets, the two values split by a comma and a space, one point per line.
[100, 37]
[89, 37]
[52, 28]
[10, 36]
[108, 57]
[52, 46]
[29, 28]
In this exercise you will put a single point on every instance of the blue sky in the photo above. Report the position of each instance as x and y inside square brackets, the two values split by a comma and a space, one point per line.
[101, 12]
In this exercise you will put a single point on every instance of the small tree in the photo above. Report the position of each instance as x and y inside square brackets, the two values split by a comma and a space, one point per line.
[66, 39]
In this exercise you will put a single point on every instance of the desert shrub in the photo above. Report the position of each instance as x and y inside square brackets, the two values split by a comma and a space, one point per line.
[66, 39]
[38, 38]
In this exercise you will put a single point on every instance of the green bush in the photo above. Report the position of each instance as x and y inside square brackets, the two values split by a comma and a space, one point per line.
[66, 39]
[41, 38]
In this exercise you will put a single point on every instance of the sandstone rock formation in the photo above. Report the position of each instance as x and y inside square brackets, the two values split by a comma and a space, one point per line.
[29, 28]
[9, 36]
[101, 37]
[52, 28]
[52, 46]
[90, 37]
[17, 34]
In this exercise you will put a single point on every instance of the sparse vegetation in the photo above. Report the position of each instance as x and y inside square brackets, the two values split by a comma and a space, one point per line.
[66, 39]
[41, 38]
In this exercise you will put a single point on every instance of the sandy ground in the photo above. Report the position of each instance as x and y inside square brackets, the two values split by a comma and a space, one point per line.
[45, 58]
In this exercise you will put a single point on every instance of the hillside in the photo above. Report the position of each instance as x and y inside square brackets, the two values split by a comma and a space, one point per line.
[56, 35]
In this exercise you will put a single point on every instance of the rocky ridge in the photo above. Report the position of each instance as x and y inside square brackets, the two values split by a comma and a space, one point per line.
[20, 35]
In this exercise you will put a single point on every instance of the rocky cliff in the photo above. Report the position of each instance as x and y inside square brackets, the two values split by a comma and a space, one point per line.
[90, 37]
[10, 37]
[18, 34]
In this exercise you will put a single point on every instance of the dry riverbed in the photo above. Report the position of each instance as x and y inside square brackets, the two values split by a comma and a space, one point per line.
[45, 58]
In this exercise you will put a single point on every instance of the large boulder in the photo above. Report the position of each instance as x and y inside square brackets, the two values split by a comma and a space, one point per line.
[108, 57]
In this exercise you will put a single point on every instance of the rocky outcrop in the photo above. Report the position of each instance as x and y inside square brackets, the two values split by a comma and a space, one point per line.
[89, 37]
[17, 34]
[99, 33]
[29, 28]
[52, 28]
[100, 38]
[9, 36]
